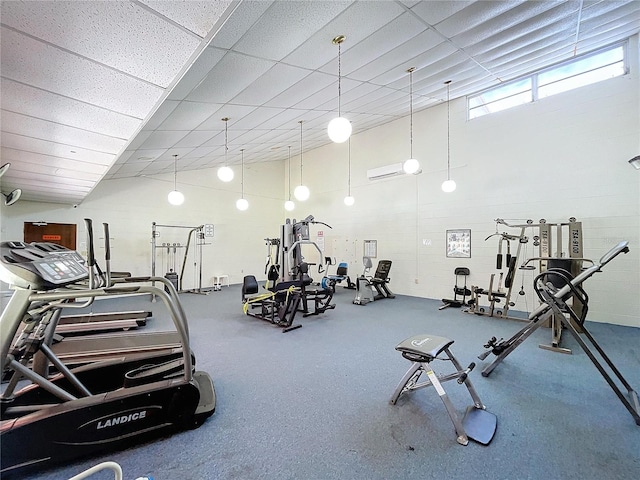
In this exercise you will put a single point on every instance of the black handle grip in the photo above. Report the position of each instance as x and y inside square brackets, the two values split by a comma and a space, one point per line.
[464, 375]
[91, 259]
[499, 261]
[107, 242]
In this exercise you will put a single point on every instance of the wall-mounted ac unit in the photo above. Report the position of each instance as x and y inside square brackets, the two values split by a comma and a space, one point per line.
[387, 171]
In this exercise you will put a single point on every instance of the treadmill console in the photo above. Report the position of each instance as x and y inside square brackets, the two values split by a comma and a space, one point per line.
[40, 265]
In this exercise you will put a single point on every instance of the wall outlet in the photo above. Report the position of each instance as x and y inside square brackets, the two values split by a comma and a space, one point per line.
[417, 281]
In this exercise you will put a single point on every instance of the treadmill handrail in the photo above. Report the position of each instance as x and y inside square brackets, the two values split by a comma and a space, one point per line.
[177, 314]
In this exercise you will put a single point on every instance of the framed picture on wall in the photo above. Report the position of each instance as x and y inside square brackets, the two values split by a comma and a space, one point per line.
[459, 243]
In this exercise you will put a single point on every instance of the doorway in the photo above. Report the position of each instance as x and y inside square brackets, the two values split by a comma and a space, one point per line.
[61, 233]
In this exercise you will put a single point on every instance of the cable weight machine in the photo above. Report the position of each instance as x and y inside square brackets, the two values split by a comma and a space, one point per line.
[566, 257]
[196, 239]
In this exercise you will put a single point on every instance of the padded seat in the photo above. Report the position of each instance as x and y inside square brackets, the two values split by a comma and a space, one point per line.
[423, 348]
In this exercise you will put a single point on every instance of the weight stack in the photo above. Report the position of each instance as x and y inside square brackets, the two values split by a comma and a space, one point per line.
[173, 278]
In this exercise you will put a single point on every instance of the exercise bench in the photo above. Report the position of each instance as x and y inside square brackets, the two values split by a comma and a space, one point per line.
[422, 350]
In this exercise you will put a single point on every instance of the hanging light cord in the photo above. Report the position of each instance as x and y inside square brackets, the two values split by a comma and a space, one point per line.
[411, 112]
[242, 177]
[448, 132]
[349, 182]
[339, 82]
[301, 149]
[175, 172]
[289, 172]
[226, 123]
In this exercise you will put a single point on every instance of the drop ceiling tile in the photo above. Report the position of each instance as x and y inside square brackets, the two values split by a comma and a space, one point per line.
[516, 16]
[386, 39]
[61, 177]
[396, 59]
[256, 118]
[473, 15]
[595, 41]
[318, 49]
[30, 187]
[139, 139]
[200, 152]
[229, 77]
[239, 23]
[382, 103]
[161, 114]
[248, 137]
[45, 130]
[426, 60]
[200, 68]
[610, 18]
[133, 168]
[542, 36]
[38, 64]
[160, 139]
[528, 53]
[39, 103]
[27, 161]
[292, 22]
[270, 84]
[197, 16]
[121, 35]
[188, 115]
[362, 90]
[233, 112]
[301, 90]
[433, 12]
[196, 138]
[19, 142]
[562, 18]
[143, 155]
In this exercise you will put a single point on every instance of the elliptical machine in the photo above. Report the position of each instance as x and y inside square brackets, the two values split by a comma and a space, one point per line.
[98, 406]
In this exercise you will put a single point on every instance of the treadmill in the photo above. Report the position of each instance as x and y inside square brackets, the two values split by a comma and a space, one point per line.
[78, 350]
[104, 405]
[96, 322]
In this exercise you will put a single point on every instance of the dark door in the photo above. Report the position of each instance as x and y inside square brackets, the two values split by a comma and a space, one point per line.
[61, 233]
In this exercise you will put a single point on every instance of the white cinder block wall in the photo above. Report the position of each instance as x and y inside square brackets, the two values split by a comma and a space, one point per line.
[131, 205]
[560, 157]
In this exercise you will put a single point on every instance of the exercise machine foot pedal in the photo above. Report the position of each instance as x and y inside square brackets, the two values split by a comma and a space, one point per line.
[479, 424]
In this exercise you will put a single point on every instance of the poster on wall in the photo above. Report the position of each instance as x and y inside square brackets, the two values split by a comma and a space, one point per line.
[459, 243]
[371, 248]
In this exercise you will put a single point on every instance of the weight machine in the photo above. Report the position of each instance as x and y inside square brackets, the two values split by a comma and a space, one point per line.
[570, 259]
[200, 233]
[288, 287]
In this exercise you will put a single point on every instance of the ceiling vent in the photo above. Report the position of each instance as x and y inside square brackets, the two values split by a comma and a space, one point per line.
[393, 170]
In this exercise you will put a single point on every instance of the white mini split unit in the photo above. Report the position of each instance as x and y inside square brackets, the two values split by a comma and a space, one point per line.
[387, 171]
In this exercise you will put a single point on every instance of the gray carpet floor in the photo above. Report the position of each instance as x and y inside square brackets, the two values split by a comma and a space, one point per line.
[314, 403]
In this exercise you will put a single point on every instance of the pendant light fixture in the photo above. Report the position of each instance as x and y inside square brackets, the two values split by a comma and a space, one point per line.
[301, 192]
[448, 185]
[225, 173]
[412, 165]
[339, 128]
[349, 200]
[175, 197]
[242, 204]
[289, 205]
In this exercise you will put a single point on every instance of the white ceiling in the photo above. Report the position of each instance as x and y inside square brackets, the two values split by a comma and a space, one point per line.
[94, 90]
